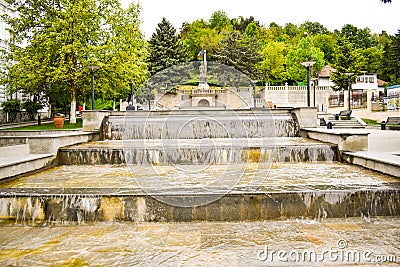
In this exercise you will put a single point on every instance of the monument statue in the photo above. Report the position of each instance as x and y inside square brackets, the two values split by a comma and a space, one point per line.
[203, 71]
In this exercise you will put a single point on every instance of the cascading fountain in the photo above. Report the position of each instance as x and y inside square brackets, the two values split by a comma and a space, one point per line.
[247, 166]
[199, 164]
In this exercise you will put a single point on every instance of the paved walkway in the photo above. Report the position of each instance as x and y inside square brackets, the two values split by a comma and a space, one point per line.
[383, 146]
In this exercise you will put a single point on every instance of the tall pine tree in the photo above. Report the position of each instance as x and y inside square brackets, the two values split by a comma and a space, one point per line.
[166, 48]
[348, 60]
[391, 61]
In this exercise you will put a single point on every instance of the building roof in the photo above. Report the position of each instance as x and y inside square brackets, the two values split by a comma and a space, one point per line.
[393, 87]
[381, 83]
[326, 71]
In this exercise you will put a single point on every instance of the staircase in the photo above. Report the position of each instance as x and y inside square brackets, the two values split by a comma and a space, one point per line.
[340, 124]
[353, 123]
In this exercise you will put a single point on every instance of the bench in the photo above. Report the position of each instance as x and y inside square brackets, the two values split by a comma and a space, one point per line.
[343, 113]
[391, 121]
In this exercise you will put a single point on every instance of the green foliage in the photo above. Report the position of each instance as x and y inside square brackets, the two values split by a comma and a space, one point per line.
[273, 59]
[12, 107]
[360, 38]
[200, 36]
[252, 30]
[348, 60]
[62, 37]
[305, 52]
[48, 126]
[220, 21]
[327, 44]
[314, 28]
[391, 60]
[103, 104]
[240, 24]
[166, 48]
[370, 121]
[240, 53]
[31, 107]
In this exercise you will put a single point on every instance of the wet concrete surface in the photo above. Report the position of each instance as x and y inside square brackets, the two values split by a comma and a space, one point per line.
[338, 242]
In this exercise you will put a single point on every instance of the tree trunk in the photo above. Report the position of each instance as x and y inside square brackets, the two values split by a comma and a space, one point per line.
[72, 116]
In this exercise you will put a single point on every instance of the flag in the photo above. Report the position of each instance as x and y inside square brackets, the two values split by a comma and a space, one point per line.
[200, 55]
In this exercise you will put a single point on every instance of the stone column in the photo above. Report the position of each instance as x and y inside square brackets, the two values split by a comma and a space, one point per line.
[287, 93]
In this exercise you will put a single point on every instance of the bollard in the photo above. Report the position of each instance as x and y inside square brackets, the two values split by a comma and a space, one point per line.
[329, 125]
[383, 125]
[39, 120]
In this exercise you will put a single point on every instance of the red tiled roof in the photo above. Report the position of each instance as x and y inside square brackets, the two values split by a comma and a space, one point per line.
[326, 71]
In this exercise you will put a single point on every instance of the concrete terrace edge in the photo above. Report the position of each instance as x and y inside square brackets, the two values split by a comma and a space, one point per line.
[347, 141]
[26, 165]
[376, 164]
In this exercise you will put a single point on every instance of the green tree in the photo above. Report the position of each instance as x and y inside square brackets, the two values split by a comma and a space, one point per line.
[166, 47]
[372, 59]
[361, 38]
[62, 37]
[313, 28]
[240, 53]
[273, 59]
[252, 30]
[31, 107]
[12, 107]
[348, 60]
[199, 36]
[327, 44]
[305, 51]
[391, 60]
[220, 21]
[240, 24]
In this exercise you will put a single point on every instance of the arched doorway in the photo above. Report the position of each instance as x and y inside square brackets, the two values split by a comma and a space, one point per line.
[203, 103]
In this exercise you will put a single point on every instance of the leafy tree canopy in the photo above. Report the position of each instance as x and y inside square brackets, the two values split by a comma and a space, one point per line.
[52, 43]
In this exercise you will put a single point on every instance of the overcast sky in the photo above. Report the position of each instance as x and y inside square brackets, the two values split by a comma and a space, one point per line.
[333, 14]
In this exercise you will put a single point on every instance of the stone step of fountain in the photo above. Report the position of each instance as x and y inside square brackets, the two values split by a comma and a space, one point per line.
[14, 150]
[198, 151]
[198, 125]
[28, 207]
[232, 192]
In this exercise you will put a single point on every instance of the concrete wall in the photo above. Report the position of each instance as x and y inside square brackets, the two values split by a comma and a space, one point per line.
[92, 119]
[296, 96]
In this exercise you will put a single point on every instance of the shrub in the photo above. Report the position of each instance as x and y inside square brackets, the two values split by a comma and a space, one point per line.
[12, 107]
[31, 108]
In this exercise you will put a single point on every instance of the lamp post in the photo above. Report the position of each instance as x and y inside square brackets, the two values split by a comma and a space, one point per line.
[314, 80]
[349, 74]
[308, 65]
[92, 69]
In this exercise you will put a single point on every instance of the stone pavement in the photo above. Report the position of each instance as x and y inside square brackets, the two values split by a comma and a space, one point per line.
[327, 242]
[383, 148]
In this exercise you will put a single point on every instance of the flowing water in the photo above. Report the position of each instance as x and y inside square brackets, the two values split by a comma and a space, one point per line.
[198, 188]
[203, 243]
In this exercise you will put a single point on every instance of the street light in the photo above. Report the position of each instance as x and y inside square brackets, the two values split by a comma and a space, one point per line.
[92, 69]
[349, 74]
[314, 88]
[308, 65]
